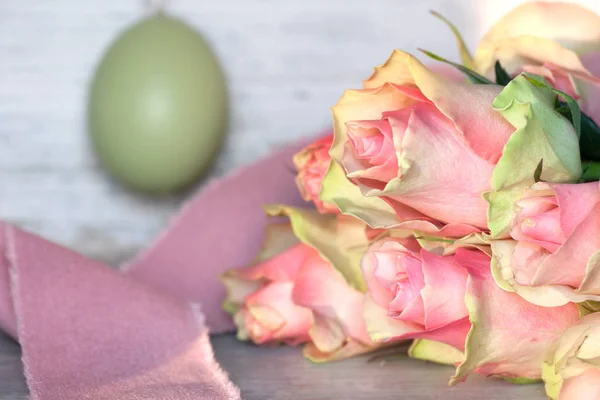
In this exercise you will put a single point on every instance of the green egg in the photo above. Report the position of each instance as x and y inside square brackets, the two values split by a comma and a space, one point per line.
[158, 106]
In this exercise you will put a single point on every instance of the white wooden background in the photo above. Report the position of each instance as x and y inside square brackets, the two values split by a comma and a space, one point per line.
[287, 62]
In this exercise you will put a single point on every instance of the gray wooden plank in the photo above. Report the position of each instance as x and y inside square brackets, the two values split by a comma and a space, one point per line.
[12, 381]
[282, 374]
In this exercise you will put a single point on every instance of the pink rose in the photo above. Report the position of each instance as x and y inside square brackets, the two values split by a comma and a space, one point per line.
[548, 214]
[414, 293]
[294, 295]
[558, 41]
[312, 163]
[260, 299]
[422, 143]
[555, 256]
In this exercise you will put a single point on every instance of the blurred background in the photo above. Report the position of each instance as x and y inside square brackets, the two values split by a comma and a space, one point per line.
[286, 63]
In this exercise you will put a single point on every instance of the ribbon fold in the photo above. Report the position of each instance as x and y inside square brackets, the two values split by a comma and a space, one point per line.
[88, 331]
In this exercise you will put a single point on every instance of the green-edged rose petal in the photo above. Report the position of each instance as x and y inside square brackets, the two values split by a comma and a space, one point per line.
[340, 240]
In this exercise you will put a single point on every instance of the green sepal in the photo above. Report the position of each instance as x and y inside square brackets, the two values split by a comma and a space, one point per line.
[588, 307]
[590, 171]
[465, 55]
[473, 76]
[589, 139]
[521, 381]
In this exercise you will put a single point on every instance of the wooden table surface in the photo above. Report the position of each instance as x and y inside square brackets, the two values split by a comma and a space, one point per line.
[282, 374]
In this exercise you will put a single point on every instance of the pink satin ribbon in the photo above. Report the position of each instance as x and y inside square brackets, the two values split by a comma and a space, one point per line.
[88, 331]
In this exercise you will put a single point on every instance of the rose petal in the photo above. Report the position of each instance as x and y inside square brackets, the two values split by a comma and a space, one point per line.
[568, 23]
[283, 267]
[350, 348]
[583, 387]
[384, 329]
[273, 308]
[450, 96]
[568, 265]
[326, 293]
[339, 239]
[441, 353]
[575, 203]
[438, 164]
[444, 291]
[312, 163]
[545, 32]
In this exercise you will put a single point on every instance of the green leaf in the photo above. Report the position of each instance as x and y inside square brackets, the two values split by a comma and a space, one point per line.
[502, 77]
[590, 171]
[465, 55]
[473, 76]
[589, 141]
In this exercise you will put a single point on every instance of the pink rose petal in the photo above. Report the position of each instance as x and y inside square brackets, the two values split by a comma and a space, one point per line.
[444, 293]
[321, 288]
[282, 319]
[568, 265]
[582, 387]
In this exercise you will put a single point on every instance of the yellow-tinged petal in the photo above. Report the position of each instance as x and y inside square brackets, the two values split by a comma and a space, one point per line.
[278, 238]
[437, 352]
[448, 246]
[356, 105]
[339, 190]
[516, 52]
[591, 282]
[340, 240]
[237, 289]
[350, 348]
[395, 70]
[268, 317]
[569, 25]
[552, 381]
[327, 334]
[576, 355]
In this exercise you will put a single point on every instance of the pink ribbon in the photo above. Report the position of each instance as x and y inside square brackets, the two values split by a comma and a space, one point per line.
[88, 331]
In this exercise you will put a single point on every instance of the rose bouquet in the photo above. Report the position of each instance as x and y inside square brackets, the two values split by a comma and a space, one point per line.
[460, 213]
